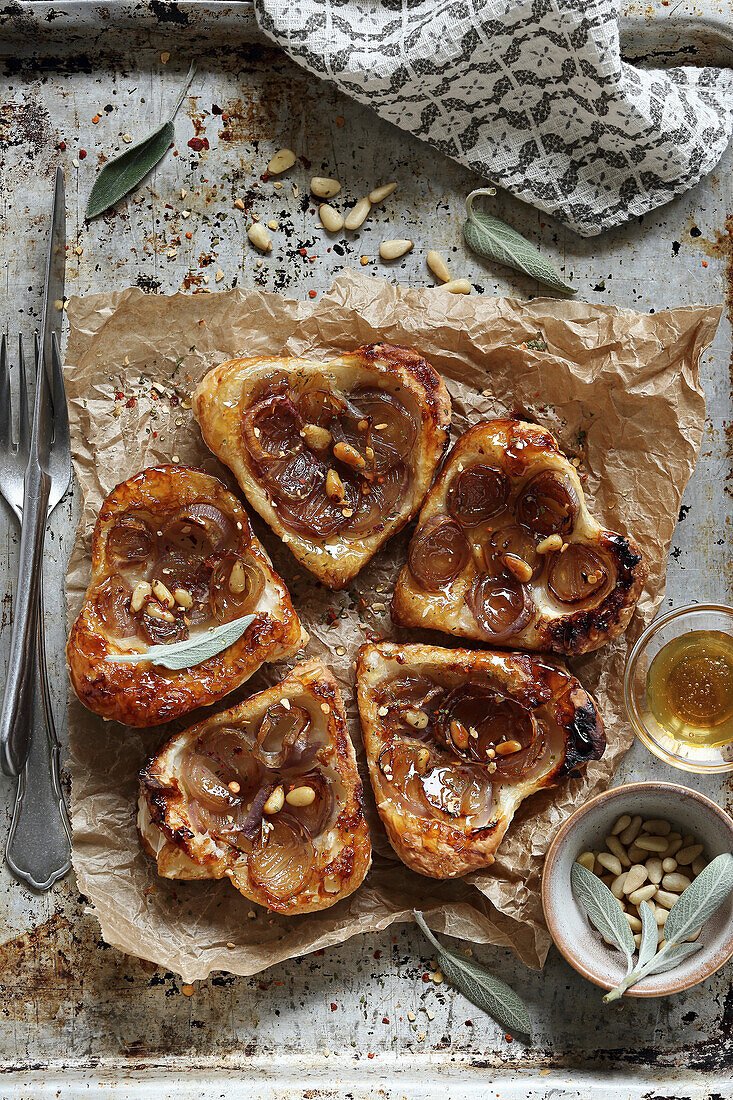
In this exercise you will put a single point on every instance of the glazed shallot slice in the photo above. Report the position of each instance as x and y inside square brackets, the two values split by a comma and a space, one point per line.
[438, 552]
[428, 785]
[577, 575]
[271, 429]
[500, 605]
[280, 738]
[236, 586]
[282, 859]
[130, 542]
[112, 603]
[378, 502]
[548, 504]
[477, 494]
[199, 529]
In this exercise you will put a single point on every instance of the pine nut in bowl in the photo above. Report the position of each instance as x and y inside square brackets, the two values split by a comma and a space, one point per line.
[648, 841]
[678, 688]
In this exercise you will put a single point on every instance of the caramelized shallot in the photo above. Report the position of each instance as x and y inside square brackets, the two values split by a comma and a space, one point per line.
[378, 502]
[282, 735]
[548, 504]
[512, 542]
[271, 429]
[282, 861]
[438, 552]
[501, 606]
[577, 574]
[112, 603]
[477, 494]
[130, 541]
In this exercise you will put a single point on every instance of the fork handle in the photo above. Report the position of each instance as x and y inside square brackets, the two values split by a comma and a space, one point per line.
[16, 718]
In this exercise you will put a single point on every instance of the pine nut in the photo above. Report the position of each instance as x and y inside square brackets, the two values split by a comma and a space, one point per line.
[459, 734]
[547, 546]
[655, 870]
[637, 940]
[163, 594]
[657, 827]
[587, 860]
[330, 218]
[651, 843]
[300, 796]
[139, 595]
[281, 161]
[358, 214]
[422, 760]
[275, 802]
[635, 877]
[614, 845]
[665, 899]
[625, 820]
[418, 719]
[675, 882]
[160, 613]
[698, 865]
[316, 437]
[392, 250]
[660, 916]
[334, 486]
[182, 597]
[506, 748]
[381, 193]
[324, 187]
[673, 846]
[344, 452]
[685, 856]
[637, 855]
[694, 936]
[634, 922]
[237, 578]
[669, 865]
[617, 886]
[611, 863]
[458, 286]
[644, 894]
[520, 568]
[631, 831]
[259, 237]
[438, 266]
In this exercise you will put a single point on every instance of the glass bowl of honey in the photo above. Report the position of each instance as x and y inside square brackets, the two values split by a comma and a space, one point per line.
[678, 688]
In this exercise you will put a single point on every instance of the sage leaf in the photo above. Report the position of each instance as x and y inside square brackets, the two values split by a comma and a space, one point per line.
[670, 956]
[476, 983]
[648, 945]
[495, 240]
[603, 909]
[193, 651]
[700, 900]
[125, 172]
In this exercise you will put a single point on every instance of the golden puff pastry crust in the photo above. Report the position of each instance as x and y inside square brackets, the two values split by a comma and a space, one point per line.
[507, 552]
[457, 739]
[173, 554]
[335, 456]
[266, 794]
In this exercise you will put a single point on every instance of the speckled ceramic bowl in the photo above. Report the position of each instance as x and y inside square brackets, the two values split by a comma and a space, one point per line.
[569, 927]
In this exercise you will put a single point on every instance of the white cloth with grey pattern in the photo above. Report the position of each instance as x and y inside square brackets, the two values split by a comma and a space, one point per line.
[531, 94]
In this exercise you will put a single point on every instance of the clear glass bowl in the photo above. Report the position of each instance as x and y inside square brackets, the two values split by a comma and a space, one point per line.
[691, 758]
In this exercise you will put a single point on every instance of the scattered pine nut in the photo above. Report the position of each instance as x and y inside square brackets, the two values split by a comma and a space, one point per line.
[381, 193]
[651, 843]
[301, 796]
[275, 802]
[392, 250]
[323, 187]
[330, 218]
[458, 286]
[635, 877]
[259, 237]
[655, 870]
[687, 855]
[438, 266]
[281, 161]
[675, 882]
[643, 894]
[358, 214]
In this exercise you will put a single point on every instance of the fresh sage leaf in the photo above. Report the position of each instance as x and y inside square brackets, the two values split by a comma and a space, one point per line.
[193, 651]
[123, 173]
[495, 240]
[648, 945]
[480, 986]
[700, 900]
[603, 909]
[670, 956]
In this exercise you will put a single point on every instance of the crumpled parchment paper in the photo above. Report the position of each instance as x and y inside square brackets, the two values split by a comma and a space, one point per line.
[620, 390]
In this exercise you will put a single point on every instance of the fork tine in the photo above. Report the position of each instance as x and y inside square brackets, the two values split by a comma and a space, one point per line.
[58, 399]
[6, 412]
[24, 426]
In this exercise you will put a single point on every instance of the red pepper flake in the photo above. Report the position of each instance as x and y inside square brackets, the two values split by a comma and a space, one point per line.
[155, 395]
[385, 1019]
[705, 263]
[198, 143]
[303, 251]
[130, 403]
[340, 121]
[95, 120]
[426, 977]
[508, 1038]
[312, 293]
[189, 235]
[377, 954]
[61, 145]
[370, 1055]
[119, 396]
[82, 154]
[334, 1006]
[469, 1023]
[320, 951]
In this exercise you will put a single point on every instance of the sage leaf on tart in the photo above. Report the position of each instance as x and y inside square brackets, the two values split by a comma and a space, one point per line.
[494, 240]
[480, 986]
[194, 651]
[125, 172]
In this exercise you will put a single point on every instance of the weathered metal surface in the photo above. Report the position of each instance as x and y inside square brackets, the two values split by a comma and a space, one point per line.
[335, 1024]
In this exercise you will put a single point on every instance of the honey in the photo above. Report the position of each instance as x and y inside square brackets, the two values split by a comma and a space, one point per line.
[689, 688]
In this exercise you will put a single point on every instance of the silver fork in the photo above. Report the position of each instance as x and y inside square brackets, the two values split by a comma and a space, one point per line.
[38, 848]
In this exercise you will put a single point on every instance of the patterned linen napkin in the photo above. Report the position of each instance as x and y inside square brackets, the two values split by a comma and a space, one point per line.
[531, 94]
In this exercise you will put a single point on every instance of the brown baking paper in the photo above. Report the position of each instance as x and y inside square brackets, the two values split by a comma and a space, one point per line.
[620, 390]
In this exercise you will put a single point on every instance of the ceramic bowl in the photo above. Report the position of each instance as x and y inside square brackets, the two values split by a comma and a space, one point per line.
[662, 742]
[569, 927]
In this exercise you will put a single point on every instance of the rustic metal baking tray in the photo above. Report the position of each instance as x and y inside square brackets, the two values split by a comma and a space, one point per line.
[80, 1019]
